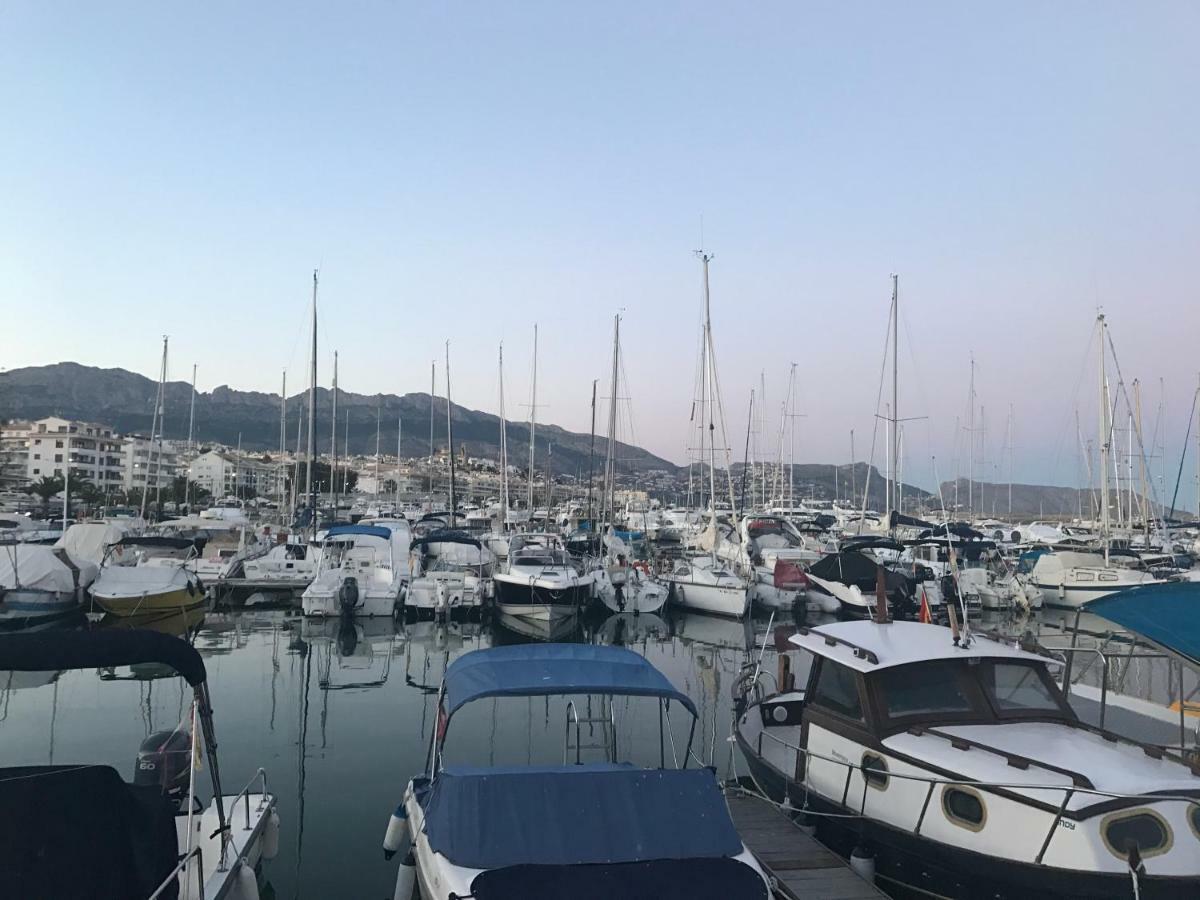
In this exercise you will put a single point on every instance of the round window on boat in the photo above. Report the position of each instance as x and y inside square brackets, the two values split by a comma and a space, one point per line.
[1148, 830]
[964, 807]
[1194, 818]
[874, 771]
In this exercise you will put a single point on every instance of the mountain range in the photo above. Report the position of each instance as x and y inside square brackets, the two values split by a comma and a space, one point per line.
[125, 400]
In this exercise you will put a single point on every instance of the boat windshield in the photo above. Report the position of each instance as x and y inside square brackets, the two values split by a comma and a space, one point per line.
[949, 690]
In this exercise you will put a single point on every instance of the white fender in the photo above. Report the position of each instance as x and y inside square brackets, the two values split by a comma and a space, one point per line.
[245, 883]
[270, 837]
[406, 878]
[397, 832]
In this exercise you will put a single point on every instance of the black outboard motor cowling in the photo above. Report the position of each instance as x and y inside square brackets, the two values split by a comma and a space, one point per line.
[348, 596]
[165, 760]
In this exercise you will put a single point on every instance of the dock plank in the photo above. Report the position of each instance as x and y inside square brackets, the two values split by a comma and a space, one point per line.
[801, 865]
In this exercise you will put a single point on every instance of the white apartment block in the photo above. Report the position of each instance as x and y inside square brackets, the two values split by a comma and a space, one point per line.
[89, 451]
[228, 475]
[146, 464]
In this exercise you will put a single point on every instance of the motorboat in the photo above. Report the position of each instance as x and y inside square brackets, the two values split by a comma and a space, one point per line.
[772, 554]
[449, 570]
[40, 584]
[361, 572]
[957, 761]
[703, 583]
[79, 830]
[290, 563]
[540, 584]
[1070, 578]
[583, 828]
[147, 574]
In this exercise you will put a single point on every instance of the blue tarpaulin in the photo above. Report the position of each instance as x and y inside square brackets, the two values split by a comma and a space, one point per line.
[351, 530]
[576, 815]
[1166, 614]
[540, 669]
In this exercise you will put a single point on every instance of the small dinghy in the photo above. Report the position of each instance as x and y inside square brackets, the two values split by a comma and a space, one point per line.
[582, 830]
[80, 831]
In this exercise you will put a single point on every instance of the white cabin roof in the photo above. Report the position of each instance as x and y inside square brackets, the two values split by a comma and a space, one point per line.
[869, 647]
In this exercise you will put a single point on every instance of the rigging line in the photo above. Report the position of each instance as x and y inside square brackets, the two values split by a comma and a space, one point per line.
[1183, 456]
[875, 427]
[1067, 420]
[1137, 431]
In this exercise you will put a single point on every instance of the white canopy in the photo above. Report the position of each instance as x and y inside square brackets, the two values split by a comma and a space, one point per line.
[85, 542]
[41, 568]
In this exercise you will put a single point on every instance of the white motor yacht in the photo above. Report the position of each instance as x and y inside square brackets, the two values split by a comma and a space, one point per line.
[361, 572]
[540, 583]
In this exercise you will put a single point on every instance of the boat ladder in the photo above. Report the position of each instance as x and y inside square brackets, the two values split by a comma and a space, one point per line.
[601, 730]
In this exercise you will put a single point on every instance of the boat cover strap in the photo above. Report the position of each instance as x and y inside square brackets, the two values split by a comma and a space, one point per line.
[660, 879]
[575, 815]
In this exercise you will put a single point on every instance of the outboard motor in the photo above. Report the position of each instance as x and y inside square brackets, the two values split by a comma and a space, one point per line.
[348, 596]
[165, 760]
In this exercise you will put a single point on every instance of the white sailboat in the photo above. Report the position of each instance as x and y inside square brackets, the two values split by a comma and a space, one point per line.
[703, 582]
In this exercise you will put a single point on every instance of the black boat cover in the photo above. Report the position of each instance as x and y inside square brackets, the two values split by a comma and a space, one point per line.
[445, 536]
[81, 832]
[167, 543]
[49, 651]
[493, 818]
[660, 879]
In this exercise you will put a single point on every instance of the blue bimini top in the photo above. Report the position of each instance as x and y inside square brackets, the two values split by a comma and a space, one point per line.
[1165, 614]
[541, 669]
[576, 815]
[351, 530]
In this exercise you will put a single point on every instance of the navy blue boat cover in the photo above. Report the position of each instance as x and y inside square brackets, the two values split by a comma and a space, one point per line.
[1166, 614]
[350, 530]
[538, 669]
[573, 815]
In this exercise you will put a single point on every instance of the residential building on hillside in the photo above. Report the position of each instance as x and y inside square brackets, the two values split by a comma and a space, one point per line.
[90, 451]
[146, 464]
[225, 474]
[14, 454]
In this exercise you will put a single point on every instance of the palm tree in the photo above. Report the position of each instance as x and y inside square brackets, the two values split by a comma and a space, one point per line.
[45, 487]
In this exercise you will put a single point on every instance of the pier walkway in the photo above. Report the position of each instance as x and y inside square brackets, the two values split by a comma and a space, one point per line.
[802, 866]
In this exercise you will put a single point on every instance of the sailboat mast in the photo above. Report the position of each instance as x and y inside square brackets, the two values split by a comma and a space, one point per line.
[1104, 441]
[708, 377]
[610, 457]
[971, 432]
[1011, 453]
[432, 391]
[503, 449]
[853, 473]
[533, 419]
[895, 385]
[333, 490]
[312, 414]
[187, 482]
[399, 446]
[377, 412]
[155, 427]
[346, 455]
[746, 455]
[592, 455]
[282, 437]
[450, 438]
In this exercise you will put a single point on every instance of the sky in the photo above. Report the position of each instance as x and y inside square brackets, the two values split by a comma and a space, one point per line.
[460, 171]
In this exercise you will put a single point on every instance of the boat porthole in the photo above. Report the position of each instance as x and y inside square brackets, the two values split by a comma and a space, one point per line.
[1143, 827]
[874, 771]
[1194, 819]
[964, 807]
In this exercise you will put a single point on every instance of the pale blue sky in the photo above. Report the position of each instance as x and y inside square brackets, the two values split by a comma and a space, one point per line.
[462, 170]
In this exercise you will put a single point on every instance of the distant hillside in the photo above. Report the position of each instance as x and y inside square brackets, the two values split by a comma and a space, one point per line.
[1029, 501]
[818, 480]
[125, 400]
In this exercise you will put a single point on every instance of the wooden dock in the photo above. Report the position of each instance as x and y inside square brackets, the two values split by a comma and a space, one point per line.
[802, 866]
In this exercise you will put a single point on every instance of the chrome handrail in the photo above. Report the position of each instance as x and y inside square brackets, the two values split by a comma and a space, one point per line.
[244, 795]
[180, 866]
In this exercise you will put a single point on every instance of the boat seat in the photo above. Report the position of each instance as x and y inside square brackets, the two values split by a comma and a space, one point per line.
[82, 832]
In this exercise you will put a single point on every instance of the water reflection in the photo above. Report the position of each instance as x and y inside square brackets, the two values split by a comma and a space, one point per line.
[342, 714]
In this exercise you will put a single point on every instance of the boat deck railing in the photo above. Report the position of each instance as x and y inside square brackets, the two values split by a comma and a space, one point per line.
[180, 868]
[1069, 791]
[243, 797]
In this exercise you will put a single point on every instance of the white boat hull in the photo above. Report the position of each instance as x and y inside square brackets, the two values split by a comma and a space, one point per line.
[721, 600]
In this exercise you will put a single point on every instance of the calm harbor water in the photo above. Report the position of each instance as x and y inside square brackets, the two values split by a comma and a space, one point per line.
[341, 718]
